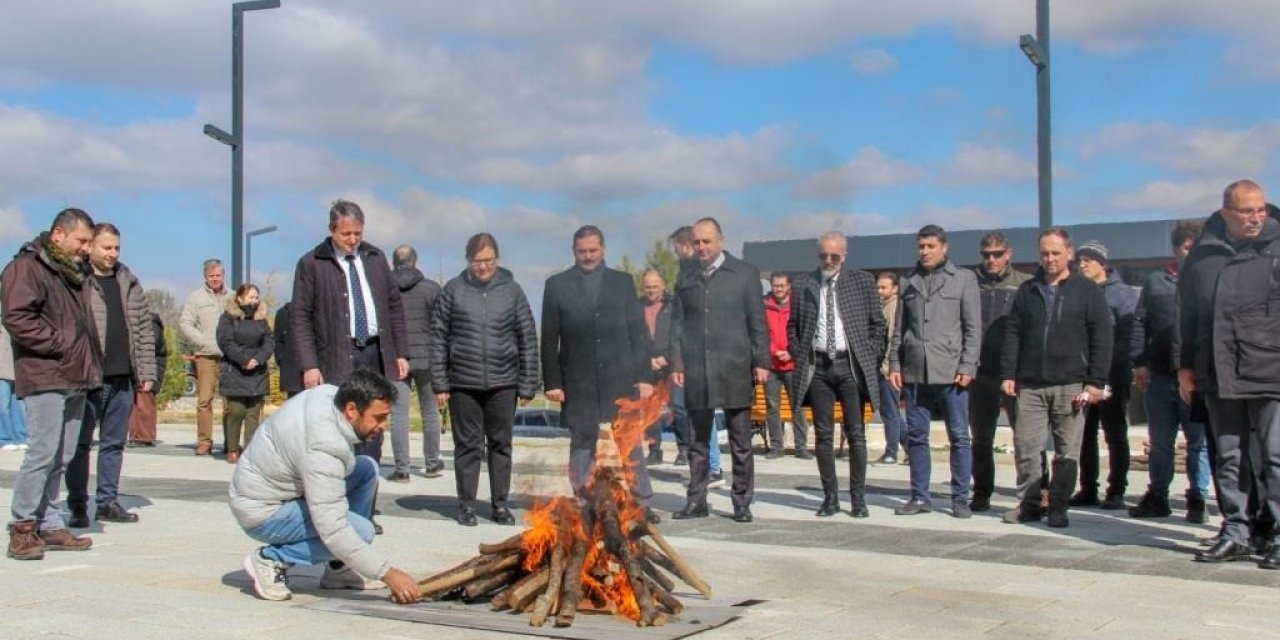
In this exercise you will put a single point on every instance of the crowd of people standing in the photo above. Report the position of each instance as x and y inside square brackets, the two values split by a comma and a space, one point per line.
[1058, 351]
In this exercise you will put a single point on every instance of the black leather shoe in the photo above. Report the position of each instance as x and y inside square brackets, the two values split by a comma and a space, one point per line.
[467, 516]
[79, 520]
[502, 515]
[1083, 499]
[859, 510]
[1225, 551]
[979, 504]
[804, 454]
[912, 508]
[830, 506]
[1058, 519]
[742, 514]
[1114, 502]
[115, 513]
[1271, 560]
[1023, 514]
[652, 516]
[377, 528]
[692, 510]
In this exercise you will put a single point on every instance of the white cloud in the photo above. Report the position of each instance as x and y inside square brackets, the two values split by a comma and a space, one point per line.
[1173, 199]
[1188, 150]
[13, 225]
[870, 62]
[869, 168]
[973, 164]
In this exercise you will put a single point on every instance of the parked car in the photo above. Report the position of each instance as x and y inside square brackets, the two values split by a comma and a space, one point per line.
[532, 421]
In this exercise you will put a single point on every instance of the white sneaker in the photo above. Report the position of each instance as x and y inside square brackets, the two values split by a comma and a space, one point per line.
[9, 447]
[347, 578]
[270, 578]
[717, 480]
[23, 447]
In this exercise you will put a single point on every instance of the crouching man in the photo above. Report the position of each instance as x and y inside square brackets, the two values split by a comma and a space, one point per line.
[299, 488]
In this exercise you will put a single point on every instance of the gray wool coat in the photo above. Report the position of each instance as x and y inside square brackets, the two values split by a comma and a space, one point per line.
[939, 332]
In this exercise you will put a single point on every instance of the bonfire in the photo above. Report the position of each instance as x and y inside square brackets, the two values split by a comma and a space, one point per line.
[591, 552]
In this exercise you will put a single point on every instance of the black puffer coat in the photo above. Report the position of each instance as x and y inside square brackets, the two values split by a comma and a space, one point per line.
[240, 341]
[418, 295]
[483, 336]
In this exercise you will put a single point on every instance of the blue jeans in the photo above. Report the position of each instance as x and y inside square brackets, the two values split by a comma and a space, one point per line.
[107, 412]
[1165, 412]
[717, 425]
[679, 416]
[895, 430]
[921, 398]
[13, 416]
[291, 537]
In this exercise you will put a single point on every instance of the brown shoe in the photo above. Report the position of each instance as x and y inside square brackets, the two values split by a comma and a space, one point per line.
[64, 540]
[204, 449]
[24, 544]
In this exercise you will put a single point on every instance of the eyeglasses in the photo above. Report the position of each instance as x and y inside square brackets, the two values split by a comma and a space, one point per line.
[831, 257]
[988, 255]
[486, 262]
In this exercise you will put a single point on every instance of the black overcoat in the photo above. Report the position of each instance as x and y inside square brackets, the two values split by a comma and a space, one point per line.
[721, 335]
[596, 352]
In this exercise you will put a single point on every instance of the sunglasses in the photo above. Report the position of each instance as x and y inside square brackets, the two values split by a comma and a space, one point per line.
[987, 255]
[830, 257]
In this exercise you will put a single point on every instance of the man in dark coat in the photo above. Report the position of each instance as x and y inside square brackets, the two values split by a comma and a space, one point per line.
[347, 313]
[593, 352]
[1227, 352]
[721, 352]
[836, 335]
[286, 360]
[657, 305]
[418, 294]
[1055, 359]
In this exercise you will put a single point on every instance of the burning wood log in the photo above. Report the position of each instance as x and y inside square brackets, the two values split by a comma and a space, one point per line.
[678, 565]
[478, 567]
[585, 553]
[571, 591]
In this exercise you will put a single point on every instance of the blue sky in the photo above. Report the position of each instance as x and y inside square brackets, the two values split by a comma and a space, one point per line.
[529, 118]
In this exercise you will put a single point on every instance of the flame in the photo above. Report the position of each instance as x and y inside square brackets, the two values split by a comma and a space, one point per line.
[560, 520]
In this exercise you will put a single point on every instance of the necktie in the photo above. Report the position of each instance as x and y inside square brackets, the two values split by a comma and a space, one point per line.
[706, 273]
[357, 297]
[831, 316]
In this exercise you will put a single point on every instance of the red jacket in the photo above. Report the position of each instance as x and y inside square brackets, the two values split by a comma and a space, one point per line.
[777, 315]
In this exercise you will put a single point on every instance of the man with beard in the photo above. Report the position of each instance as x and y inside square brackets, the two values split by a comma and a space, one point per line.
[837, 338]
[127, 336]
[593, 352]
[302, 491]
[1055, 360]
[1228, 353]
[721, 352]
[56, 362]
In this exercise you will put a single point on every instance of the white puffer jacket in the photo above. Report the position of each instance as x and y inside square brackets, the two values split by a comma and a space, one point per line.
[303, 451]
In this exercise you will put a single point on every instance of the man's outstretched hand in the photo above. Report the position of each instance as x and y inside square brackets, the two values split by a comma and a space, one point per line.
[404, 589]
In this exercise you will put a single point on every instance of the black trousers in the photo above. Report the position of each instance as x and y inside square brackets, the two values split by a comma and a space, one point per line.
[482, 420]
[744, 473]
[833, 381]
[1113, 417]
[368, 358]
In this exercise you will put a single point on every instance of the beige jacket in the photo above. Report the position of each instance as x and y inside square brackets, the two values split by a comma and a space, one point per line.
[199, 320]
[890, 309]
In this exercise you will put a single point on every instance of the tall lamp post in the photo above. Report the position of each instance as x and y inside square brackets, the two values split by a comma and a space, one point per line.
[235, 139]
[1037, 50]
[248, 249]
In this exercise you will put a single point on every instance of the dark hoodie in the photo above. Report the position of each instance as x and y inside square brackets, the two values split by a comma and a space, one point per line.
[418, 294]
[1122, 299]
[1226, 293]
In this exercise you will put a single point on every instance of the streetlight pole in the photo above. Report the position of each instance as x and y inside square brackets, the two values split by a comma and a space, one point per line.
[235, 139]
[248, 249]
[1037, 51]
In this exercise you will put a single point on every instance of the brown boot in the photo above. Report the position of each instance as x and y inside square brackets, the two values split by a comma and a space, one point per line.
[24, 544]
[64, 540]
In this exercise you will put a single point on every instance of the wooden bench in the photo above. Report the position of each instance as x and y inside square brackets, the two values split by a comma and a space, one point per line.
[760, 411]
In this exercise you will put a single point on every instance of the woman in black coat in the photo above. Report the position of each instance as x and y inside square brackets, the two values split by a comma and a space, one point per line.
[246, 343]
[484, 355]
